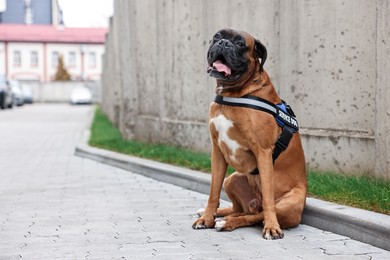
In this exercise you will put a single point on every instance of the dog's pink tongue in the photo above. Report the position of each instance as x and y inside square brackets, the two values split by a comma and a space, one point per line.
[222, 67]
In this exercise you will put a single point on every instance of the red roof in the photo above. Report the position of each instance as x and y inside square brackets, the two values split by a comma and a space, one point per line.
[48, 33]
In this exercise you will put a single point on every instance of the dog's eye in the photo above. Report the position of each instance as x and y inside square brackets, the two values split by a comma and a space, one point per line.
[240, 44]
[217, 36]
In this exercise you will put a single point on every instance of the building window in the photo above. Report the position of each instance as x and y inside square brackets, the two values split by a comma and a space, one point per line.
[72, 59]
[34, 59]
[54, 59]
[17, 59]
[92, 60]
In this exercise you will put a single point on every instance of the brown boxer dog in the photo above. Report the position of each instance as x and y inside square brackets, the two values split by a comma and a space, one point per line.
[261, 191]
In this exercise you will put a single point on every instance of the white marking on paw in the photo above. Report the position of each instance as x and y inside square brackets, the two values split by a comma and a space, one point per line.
[222, 125]
[219, 225]
[199, 226]
[267, 236]
[200, 212]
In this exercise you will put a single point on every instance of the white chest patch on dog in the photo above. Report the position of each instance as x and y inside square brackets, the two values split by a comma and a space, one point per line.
[222, 125]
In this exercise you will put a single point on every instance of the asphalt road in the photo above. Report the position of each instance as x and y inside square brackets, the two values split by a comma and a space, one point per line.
[54, 205]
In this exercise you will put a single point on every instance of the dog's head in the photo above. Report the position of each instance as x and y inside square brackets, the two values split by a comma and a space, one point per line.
[233, 57]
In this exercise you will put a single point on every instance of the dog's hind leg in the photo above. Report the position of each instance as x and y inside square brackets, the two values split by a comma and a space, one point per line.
[232, 222]
[288, 208]
[221, 212]
[240, 194]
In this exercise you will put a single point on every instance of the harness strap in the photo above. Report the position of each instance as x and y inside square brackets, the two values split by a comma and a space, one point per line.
[282, 142]
[280, 145]
[282, 113]
[249, 102]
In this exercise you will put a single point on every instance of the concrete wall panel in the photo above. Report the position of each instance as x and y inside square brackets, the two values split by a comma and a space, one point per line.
[336, 58]
[328, 59]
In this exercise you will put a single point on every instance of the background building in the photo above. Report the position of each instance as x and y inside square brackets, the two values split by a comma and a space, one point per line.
[32, 37]
[30, 52]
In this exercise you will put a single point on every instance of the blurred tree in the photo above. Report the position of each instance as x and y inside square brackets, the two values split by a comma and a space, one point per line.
[62, 74]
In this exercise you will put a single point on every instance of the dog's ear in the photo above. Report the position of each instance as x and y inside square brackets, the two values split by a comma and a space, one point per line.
[261, 52]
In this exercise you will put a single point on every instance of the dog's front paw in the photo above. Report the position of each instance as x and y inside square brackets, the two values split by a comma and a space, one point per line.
[203, 222]
[271, 233]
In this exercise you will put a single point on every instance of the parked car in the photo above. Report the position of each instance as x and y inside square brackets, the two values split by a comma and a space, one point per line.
[81, 95]
[5, 93]
[27, 94]
[17, 93]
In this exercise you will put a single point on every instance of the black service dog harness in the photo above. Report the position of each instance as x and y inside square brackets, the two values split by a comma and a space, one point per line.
[282, 113]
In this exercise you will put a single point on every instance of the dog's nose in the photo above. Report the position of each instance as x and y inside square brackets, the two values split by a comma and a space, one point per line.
[225, 43]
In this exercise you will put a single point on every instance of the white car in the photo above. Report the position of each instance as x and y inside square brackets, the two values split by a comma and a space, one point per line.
[81, 95]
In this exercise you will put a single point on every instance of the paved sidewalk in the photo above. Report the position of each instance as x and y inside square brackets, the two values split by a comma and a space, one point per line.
[54, 205]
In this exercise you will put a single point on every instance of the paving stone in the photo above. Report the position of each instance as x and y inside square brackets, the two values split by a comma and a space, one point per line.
[54, 205]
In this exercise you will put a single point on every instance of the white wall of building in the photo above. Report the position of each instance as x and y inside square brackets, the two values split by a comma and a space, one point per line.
[25, 70]
[83, 61]
[93, 66]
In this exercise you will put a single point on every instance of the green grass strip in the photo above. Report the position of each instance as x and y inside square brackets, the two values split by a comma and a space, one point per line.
[362, 192]
[105, 135]
[356, 191]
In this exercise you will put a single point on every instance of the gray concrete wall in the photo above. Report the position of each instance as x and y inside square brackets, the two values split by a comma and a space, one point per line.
[328, 59]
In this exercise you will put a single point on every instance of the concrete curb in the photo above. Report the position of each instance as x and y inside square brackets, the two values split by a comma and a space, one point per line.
[365, 226]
